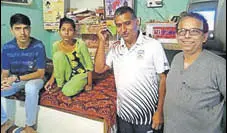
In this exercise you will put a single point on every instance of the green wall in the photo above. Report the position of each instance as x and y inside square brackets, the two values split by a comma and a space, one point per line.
[34, 11]
[170, 8]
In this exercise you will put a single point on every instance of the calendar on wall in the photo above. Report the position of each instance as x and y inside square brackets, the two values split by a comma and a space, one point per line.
[53, 11]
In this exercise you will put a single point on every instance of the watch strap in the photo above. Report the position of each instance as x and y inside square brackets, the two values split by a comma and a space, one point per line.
[18, 78]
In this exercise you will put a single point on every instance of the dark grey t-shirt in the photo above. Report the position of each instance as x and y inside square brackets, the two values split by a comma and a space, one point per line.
[195, 96]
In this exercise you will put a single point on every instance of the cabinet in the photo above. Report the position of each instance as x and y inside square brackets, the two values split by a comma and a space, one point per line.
[82, 28]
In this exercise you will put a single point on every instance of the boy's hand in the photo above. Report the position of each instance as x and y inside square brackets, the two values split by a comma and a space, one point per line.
[7, 82]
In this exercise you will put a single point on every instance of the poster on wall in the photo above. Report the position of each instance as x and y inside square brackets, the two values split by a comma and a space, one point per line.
[164, 32]
[112, 5]
[53, 11]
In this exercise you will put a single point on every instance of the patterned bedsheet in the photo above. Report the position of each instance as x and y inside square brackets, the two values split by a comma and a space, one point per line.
[98, 104]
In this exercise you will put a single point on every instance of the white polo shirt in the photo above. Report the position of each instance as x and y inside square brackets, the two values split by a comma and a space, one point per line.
[136, 78]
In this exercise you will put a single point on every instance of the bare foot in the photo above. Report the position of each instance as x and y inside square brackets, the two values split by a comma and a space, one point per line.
[67, 100]
[53, 90]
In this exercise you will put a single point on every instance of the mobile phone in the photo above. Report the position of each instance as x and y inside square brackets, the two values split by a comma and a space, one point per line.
[108, 30]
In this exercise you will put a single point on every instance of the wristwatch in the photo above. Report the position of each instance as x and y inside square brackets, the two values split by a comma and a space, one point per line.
[18, 79]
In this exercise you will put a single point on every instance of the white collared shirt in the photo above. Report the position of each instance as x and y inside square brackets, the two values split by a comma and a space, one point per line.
[135, 71]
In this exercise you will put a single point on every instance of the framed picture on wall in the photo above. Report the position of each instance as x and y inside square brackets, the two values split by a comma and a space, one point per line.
[111, 6]
[19, 2]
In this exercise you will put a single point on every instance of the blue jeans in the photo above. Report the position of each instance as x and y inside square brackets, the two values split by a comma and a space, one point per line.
[32, 88]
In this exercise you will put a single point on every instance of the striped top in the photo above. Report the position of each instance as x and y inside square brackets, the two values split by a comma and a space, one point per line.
[136, 78]
[23, 61]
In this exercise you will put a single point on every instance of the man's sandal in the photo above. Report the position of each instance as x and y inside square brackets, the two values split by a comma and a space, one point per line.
[6, 126]
[28, 129]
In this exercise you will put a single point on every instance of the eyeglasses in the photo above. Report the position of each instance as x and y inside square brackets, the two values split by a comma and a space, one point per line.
[192, 32]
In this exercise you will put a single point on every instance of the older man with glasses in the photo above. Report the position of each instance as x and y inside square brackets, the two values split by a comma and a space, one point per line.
[196, 82]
